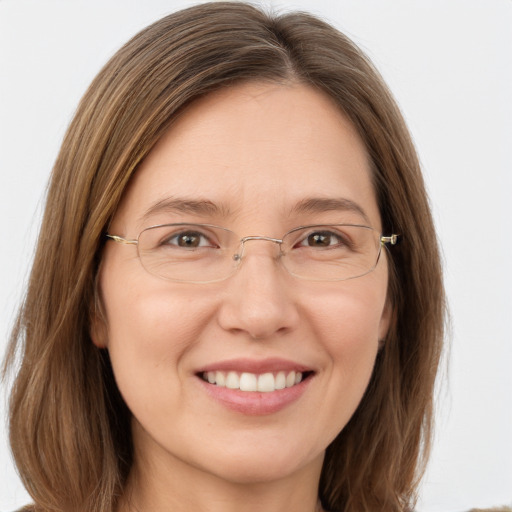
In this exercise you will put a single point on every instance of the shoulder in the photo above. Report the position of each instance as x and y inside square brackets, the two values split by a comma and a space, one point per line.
[494, 509]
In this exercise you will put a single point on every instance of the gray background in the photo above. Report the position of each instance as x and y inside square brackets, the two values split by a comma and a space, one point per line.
[449, 64]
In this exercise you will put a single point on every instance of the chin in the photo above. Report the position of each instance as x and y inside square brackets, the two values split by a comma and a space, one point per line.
[263, 464]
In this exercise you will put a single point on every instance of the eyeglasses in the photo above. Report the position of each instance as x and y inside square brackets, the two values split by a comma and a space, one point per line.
[203, 253]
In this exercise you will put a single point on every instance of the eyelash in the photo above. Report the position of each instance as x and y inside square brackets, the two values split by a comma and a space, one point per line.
[340, 240]
[176, 236]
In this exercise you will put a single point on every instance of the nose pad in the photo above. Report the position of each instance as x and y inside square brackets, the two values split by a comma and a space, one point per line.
[237, 257]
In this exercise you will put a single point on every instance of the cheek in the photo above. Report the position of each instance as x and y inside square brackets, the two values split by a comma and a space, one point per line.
[141, 321]
[348, 316]
[149, 333]
[346, 322]
[353, 346]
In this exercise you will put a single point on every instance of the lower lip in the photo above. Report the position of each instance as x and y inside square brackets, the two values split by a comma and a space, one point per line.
[254, 403]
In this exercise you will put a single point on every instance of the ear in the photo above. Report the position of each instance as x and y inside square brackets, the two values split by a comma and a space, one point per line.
[98, 330]
[385, 322]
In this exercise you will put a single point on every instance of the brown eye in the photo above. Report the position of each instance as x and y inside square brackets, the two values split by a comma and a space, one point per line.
[321, 239]
[188, 240]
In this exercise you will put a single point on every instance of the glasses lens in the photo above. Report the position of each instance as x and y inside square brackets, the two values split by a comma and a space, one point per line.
[331, 253]
[188, 252]
[206, 253]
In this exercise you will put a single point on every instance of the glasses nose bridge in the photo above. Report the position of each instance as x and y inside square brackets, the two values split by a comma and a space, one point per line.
[238, 256]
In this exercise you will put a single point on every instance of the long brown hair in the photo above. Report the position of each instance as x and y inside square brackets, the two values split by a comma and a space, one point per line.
[69, 427]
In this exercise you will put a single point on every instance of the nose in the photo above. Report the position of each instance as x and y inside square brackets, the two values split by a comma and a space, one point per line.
[259, 299]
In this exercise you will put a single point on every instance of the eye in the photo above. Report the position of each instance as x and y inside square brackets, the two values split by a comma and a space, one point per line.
[321, 239]
[189, 240]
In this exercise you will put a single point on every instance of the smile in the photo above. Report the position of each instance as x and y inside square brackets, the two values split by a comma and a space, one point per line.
[256, 387]
[252, 382]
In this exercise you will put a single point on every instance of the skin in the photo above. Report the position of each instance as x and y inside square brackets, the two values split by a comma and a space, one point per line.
[259, 149]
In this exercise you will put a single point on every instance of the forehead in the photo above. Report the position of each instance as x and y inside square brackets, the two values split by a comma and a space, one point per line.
[255, 150]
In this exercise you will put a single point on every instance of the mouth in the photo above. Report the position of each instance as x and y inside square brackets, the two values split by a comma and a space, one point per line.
[255, 382]
[256, 387]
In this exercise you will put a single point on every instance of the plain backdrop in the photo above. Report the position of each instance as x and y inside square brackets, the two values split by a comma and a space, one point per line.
[449, 64]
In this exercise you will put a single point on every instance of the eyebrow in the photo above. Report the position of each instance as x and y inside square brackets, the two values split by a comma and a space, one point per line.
[326, 204]
[200, 207]
[207, 208]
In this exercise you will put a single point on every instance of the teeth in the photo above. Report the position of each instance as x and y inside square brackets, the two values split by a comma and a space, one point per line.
[280, 380]
[248, 382]
[233, 380]
[264, 383]
[220, 379]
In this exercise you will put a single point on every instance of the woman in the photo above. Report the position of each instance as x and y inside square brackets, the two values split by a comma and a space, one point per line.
[219, 313]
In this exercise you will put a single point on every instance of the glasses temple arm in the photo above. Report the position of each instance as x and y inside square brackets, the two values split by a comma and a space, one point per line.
[121, 240]
[392, 239]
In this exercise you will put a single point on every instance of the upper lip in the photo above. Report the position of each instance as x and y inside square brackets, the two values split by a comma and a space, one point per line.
[256, 366]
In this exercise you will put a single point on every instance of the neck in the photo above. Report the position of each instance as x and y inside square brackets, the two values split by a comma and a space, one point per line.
[166, 484]
[255, 499]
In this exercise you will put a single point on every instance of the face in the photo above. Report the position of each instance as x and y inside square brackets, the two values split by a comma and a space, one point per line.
[244, 158]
